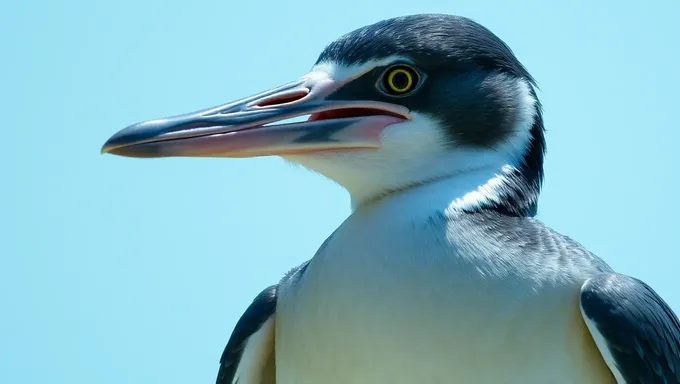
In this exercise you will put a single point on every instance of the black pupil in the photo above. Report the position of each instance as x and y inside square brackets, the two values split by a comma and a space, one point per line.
[400, 80]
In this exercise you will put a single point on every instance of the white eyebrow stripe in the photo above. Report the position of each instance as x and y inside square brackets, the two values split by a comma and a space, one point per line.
[340, 72]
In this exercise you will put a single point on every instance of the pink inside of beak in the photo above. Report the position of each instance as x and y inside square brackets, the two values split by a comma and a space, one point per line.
[297, 95]
[351, 112]
[283, 98]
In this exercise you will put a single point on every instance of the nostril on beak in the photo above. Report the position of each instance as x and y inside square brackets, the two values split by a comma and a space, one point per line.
[282, 98]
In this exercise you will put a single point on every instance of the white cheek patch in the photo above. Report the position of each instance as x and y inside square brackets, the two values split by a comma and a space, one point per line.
[413, 141]
[517, 145]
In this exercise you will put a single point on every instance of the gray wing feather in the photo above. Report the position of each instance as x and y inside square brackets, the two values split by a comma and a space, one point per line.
[259, 311]
[638, 333]
[256, 315]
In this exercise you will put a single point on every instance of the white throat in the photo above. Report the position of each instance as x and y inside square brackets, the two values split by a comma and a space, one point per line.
[462, 191]
[442, 179]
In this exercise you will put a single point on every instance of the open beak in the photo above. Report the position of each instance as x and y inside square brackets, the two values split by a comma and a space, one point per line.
[255, 126]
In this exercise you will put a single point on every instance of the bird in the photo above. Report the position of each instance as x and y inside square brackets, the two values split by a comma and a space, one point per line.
[441, 273]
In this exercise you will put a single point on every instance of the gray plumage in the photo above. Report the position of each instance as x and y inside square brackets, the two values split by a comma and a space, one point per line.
[258, 312]
[640, 330]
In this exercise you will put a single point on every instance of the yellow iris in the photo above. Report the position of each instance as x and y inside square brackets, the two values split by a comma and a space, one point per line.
[405, 86]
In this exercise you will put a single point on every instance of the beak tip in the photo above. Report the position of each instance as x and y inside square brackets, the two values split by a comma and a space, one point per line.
[111, 145]
[105, 148]
[127, 137]
[127, 148]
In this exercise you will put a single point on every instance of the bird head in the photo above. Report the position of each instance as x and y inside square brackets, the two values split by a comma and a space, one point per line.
[398, 103]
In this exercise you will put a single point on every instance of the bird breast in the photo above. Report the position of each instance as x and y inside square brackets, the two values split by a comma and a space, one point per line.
[393, 299]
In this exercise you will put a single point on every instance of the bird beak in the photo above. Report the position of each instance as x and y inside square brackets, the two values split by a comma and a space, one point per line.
[255, 126]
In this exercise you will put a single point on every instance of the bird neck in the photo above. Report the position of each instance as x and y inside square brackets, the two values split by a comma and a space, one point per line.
[503, 190]
[507, 182]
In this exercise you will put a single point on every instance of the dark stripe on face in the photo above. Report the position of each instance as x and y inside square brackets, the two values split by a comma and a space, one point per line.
[476, 108]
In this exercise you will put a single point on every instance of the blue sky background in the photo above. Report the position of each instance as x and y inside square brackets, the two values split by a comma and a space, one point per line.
[117, 270]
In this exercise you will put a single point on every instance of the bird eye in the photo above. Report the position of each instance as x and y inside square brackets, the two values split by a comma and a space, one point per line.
[399, 80]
